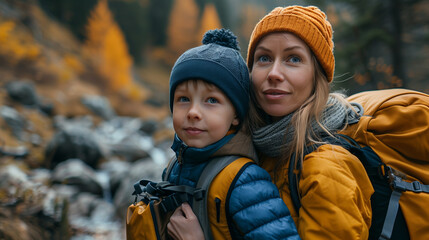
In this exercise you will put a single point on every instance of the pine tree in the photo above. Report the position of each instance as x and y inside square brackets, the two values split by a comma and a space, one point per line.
[107, 48]
[210, 20]
[250, 15]
[182, 27]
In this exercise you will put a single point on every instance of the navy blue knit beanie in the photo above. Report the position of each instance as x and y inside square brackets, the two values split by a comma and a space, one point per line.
[219, 62]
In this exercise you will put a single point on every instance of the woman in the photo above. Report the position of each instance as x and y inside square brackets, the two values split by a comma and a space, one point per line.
[291, 61]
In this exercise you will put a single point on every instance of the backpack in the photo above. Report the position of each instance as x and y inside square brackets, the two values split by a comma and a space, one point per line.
[391, 140]
[148, 218]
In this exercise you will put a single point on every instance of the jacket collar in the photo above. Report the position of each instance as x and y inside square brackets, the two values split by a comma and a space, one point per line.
[186, 154]
[240, 145]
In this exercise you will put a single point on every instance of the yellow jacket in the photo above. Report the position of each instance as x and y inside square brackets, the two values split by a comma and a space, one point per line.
[336, 195]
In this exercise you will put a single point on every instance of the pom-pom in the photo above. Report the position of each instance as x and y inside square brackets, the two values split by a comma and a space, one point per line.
[223, 37]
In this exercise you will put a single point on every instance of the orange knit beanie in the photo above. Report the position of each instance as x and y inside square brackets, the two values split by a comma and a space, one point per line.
[308, 23]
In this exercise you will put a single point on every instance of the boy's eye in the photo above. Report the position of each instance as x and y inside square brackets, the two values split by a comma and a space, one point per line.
[212, 100]
[263, 58]
[183, 99]
[295, 59]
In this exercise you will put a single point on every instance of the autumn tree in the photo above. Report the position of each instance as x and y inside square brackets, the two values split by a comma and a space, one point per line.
[183, 27]
[250, 15]
[159, 21]
[107, 48]
[15, 47]
[209, 20]
[134, 19]
[373, 47]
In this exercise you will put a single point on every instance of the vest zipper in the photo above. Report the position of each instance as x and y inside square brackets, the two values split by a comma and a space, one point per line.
[180, 161]
[179, 157]
[217, 202]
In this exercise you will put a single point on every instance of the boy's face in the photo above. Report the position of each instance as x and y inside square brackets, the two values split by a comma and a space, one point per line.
[202, 113]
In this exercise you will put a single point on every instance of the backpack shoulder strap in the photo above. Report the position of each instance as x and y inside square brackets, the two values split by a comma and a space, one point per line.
[169, 168]
[212, 169]
[294, 174]
[295, 166]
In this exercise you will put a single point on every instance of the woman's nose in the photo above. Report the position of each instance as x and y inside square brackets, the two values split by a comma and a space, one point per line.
[275, 73]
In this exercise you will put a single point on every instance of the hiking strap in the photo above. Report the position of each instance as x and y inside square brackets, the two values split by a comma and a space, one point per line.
[160, 188]
[211, 170]
[392, 210]
[398, 185]
[415, 186]
[172, 195]
[294, 173]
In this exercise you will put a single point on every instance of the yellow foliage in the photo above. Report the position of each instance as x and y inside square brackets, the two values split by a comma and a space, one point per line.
[98, 25]
[395, 82]
[107, 48]
[16, 47]
[210, 20]
[182, 28]
[117, 62]
[159, 54]
[73, 63]
[54, 34]
[250, 15]
[333, 15]
[135, 92]
[361, 79]
[385, 71]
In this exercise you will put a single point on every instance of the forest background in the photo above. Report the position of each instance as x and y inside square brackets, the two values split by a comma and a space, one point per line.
[57, 55]
[379, 44]
[128, 47]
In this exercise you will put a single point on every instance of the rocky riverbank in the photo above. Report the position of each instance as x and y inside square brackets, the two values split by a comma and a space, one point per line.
[71, 177]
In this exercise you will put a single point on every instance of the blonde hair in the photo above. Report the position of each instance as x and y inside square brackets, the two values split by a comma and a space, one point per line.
[309, 111]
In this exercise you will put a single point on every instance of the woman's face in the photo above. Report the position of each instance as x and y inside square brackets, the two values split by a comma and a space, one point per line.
[282, 74]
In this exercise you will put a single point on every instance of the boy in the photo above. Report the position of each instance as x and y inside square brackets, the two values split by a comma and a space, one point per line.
[209, 99]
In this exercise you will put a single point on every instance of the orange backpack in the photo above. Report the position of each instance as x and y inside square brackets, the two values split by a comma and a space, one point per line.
[392, 141]
[395, 125]
[148, 217]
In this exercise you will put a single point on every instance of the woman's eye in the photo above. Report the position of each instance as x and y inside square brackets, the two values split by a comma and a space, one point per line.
[263, 58]
[183, 99]
[212, 100]
[294, 59]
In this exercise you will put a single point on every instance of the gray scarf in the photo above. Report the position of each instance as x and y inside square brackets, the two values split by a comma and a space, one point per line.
[272, 139]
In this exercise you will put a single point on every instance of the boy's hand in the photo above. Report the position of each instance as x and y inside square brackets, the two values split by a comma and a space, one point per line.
[184, 224]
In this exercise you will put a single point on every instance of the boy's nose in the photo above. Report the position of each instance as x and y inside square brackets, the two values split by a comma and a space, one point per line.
[194, 112]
